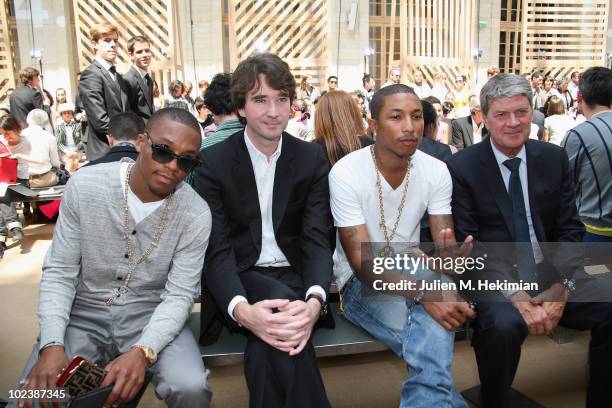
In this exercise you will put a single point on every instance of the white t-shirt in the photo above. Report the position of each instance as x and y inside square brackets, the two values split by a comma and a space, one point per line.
[137, 208]
[557, 126]
[354, 200]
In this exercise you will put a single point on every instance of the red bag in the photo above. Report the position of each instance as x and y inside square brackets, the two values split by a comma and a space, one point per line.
[8, 170]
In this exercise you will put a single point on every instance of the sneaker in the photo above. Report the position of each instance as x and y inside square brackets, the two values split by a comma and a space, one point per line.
[17, 234]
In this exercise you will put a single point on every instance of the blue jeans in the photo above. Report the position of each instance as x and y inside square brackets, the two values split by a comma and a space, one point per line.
[408, 330]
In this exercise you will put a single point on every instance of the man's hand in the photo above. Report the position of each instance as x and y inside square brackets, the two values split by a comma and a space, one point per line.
[447, 247]
[43, 375]
[447, 309]
[536, 317]
[303, 311]
[553, 301]
[127, 373]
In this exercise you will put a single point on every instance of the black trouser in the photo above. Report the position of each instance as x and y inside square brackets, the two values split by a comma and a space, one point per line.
[274, 378]
[499, 332]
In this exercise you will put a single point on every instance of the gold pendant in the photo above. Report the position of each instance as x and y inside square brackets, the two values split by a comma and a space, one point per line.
[386, 252]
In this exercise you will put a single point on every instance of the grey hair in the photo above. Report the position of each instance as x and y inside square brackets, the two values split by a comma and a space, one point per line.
[38, 117]
[504, 85]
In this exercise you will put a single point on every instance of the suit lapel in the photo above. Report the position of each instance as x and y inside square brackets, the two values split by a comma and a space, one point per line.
[113, 84]
[244, 177]
[495, 183]
[470, 130]
[283, 177]
[145, 88]
[533, 170]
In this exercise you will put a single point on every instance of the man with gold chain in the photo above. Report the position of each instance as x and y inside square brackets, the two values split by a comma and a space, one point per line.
[378, 197]
[124, 267]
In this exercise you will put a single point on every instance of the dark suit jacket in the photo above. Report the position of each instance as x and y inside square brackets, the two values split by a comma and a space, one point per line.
[538, 118]
[140, 95]
[300, 213]
[23, 100]
[463, 132]
[482, 207]
[116, 153]
[435, 149]
[102, 98]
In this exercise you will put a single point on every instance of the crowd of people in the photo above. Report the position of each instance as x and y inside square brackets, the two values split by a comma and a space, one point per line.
[288, 189]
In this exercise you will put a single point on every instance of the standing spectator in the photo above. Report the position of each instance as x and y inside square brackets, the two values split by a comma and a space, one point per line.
[394, 77]
[419, 84]
[332, 84]
[439, 89]
[27, 95]
[175, 97]
[202, 86]
[589, 148]
[548, 90]
[43, 157]
[60, 98]
[557, 123]
[158, 98]
[187, 88]
[307, 90]
[126, 136]
[492, 71]
[536, 90]
[568, 100]
[69, 138]
[574, 84]
[102, 90]
[367, 90]
[442, 127]
[219, 102]
[461, 97]
[204, 117]
[140, 83]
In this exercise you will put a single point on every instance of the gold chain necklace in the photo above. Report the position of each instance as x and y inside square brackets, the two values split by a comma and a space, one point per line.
[387, 250]
[130, 245]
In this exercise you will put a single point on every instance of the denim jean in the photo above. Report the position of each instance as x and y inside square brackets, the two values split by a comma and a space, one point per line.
[408, 330]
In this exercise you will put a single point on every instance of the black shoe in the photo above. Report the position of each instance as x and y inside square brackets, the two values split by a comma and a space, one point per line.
[2, 247]
[16, 234]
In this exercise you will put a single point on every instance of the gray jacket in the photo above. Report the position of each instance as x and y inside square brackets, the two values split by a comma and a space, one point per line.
[86, 259]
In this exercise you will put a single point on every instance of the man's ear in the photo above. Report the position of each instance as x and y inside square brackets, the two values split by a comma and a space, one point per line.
[373, 125]
[111, 140]
[138, 142]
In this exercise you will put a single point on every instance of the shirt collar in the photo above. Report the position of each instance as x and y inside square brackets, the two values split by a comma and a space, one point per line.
[105, 64]
[501, 157]
[141, 71]
[475, 126]
[254, 152]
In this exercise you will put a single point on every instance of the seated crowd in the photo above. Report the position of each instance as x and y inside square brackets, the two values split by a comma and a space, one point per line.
[286, 193]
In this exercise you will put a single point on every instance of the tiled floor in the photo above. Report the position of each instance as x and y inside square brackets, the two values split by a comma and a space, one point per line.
[552, 374]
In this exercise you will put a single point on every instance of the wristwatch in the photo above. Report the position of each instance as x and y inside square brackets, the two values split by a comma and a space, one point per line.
[149, 353]
[569, 284]
[323, 303]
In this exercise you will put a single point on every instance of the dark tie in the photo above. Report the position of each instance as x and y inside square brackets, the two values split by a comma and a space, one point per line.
[149, 82]
[112, 70]
[525, 261]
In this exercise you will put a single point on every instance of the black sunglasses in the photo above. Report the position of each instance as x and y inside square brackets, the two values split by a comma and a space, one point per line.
[162, 154]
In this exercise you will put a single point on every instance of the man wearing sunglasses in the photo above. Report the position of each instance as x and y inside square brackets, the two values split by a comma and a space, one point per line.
[269, 263]
[123, 270]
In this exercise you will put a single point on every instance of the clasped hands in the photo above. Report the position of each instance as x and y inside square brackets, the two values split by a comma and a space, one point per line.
[543, 312]
[283, 324]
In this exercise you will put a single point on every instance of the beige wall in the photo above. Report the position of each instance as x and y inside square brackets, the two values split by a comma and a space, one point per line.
[489, 13]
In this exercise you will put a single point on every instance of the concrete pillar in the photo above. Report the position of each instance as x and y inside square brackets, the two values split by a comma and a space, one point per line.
[202, 41]
[489, 13]
[345, 57]
[47, 28]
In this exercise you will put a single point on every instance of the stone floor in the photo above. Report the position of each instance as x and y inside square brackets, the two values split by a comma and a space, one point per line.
[552, 374]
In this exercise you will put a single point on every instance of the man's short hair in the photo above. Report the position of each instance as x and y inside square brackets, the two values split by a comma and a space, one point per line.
[596, 86]
[175, 115]
[27, 74]
[504, 85]
[366, 78]
[329, 78]
[474, 103]
[217, 97]
[37, 117]
[175, 85]
[392, 70]
[536, 74]
[574, 74]
[431, 99]
[136, 39]
[100, 30]
[492, 70]
[429, 113]
[246, 77]
[126, 126]
[378, 100]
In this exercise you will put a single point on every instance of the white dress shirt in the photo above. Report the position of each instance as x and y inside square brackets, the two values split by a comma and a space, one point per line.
[264, 168]
[477, 134]
[106, 65]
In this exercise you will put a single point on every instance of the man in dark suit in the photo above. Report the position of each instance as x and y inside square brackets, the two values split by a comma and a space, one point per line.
[126, 135]
[509, 189]
[27, 96]
[269, 263]
[103, 91]
[139, 81]
[470, 129]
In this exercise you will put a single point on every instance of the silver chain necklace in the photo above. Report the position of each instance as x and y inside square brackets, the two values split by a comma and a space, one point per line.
[132, 264]
[387, 250]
